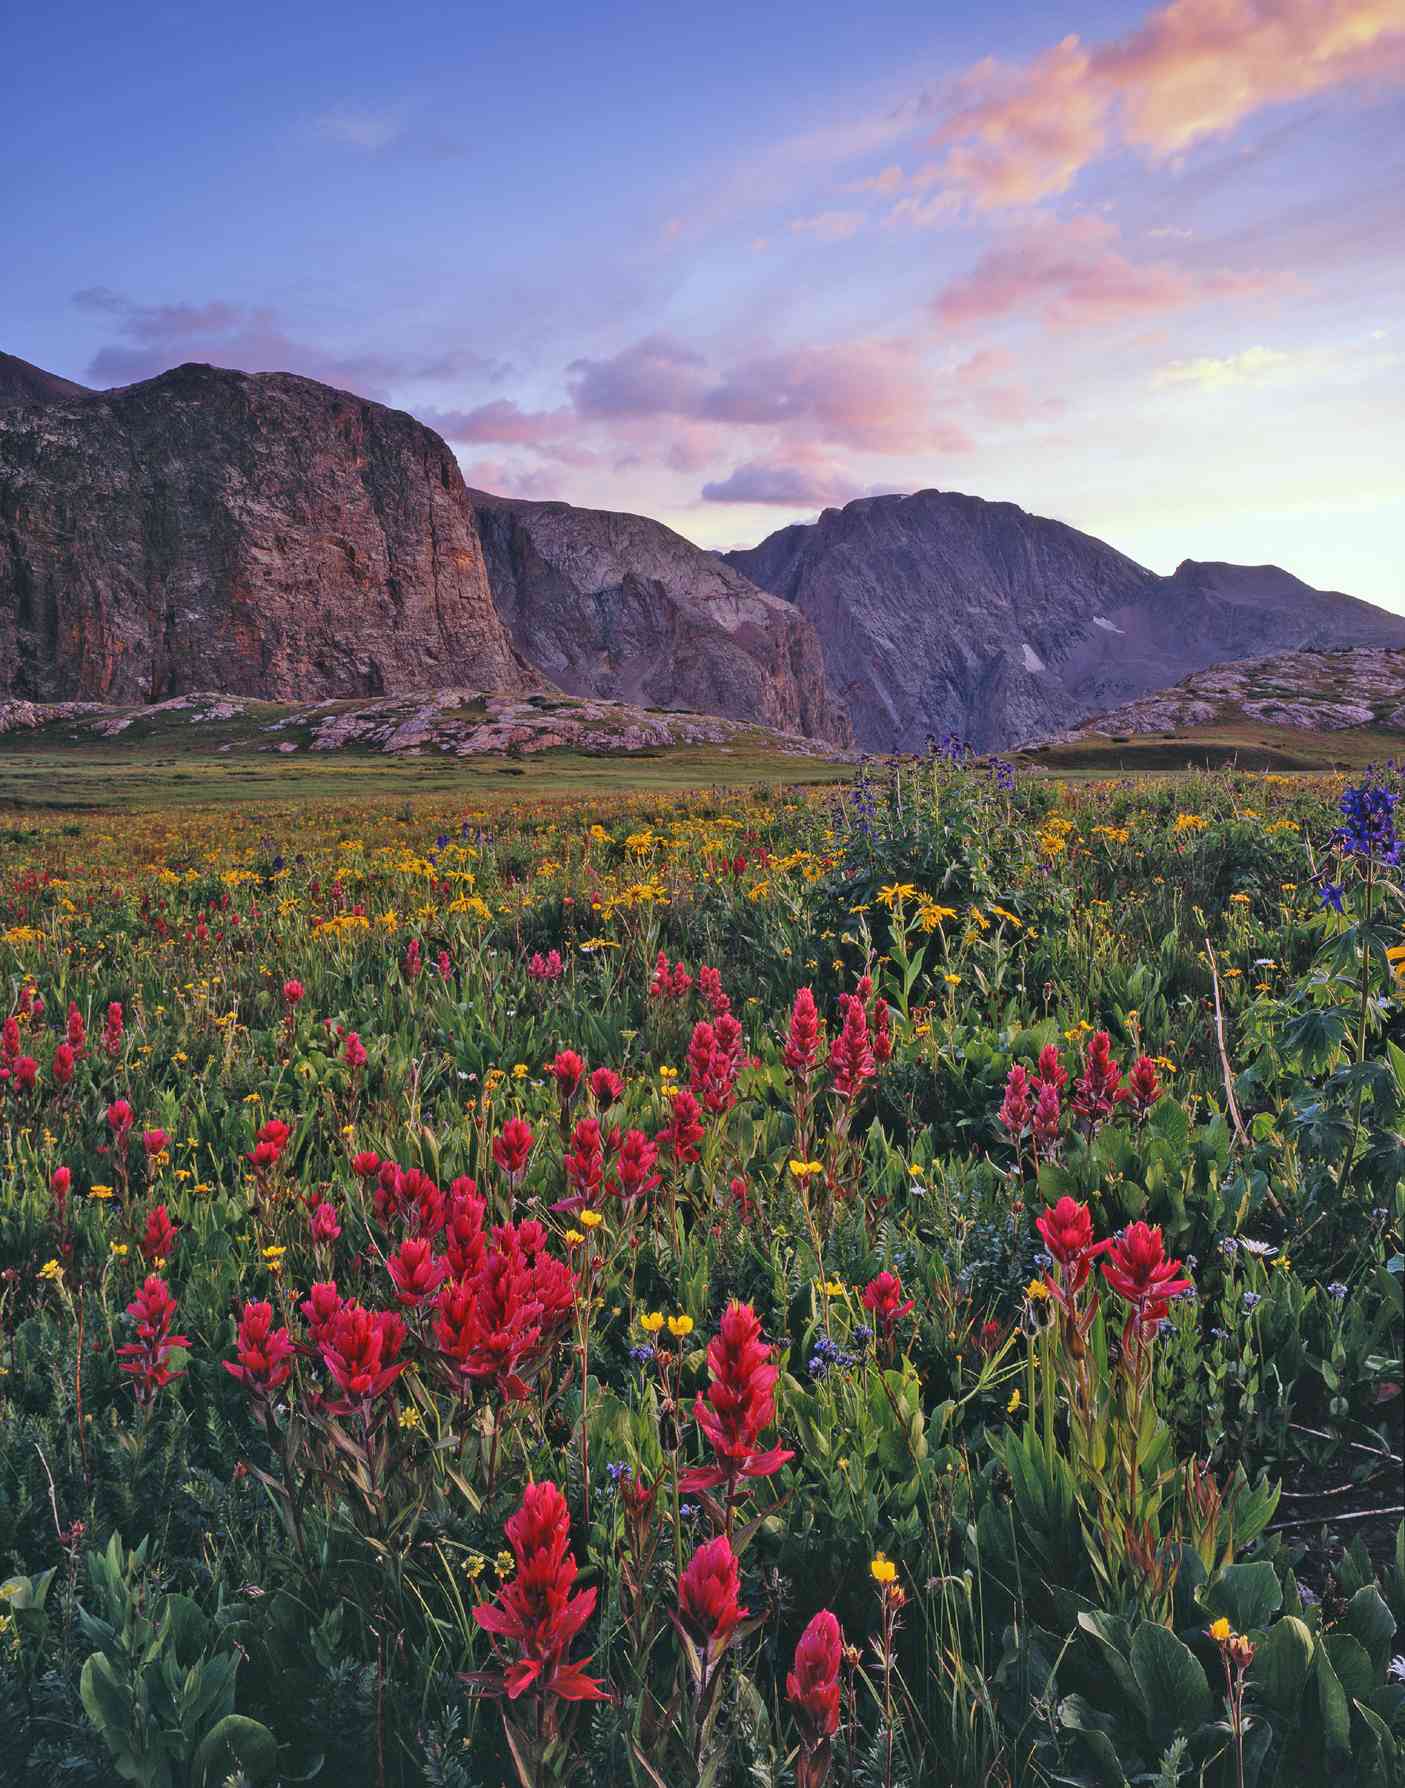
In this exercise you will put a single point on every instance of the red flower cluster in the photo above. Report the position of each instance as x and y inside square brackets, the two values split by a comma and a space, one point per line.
[263, 1354]
[1067, 1230]
[568, 1071]
[669, 983]
[883, 1297]
[738, 1405]
[709, 1606]
[153, 1310]
[710, 987]
[513, 1148]
[1095, 1092]
[714, 1060]
[159, 1238]
[360, 1349]
[852, 1061]
[802, 1043]
[546, 968]
[498, 1321]
[1138, 1271]
[634, 1176]
[683, 1132]
[812, 1688]
[536, 1612]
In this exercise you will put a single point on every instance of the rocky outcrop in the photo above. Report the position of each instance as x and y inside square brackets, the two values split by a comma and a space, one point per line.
[264, 535]
[21, 383]
[1311, 691]
[460, 722]
[619, 606]
[944, 613]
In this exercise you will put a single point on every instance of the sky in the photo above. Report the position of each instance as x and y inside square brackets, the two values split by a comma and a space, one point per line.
[1136, 267]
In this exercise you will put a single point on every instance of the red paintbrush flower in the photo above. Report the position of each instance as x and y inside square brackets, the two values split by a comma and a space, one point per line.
[851, 1058]
[568, 1071]
[634, 1176]
[803, 1040]
[262, 1353]
[605, 1088]
[1017, 1107]
[883, 1297]
[536, 1613]
[1143, 1084]
[1137, 1269]
[739, 1403]
[159, 1238]
[153, 1310]
[416, 1271]
[683, 1132]
[513, 1148]
[812, 1688]
[709, 1610]
[359, 1349]
[1095, 1090]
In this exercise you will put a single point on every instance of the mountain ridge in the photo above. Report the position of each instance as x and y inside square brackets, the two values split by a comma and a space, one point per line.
[270, 535]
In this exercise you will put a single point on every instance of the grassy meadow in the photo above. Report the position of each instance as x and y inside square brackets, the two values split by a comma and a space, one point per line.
[653, 1272]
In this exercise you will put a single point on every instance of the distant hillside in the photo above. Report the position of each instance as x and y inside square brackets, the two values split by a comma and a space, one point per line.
[941, 613]
[21, 383]
[1310, 710]
[620, 606]
[454, 722]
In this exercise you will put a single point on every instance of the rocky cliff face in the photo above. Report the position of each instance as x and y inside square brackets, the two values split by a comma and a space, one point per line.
[620, 606]
[940, 612]
[21, 383]
[264, 535]
[1312, 691]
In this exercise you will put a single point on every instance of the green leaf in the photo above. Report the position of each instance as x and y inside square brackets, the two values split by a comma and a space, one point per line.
[1282, 1665]
[1351, 1664]
[107, 1702]
[1336, 1715]
[1176, 1694]
[1245, 1594]
[1368, 1620]
[235, 1743]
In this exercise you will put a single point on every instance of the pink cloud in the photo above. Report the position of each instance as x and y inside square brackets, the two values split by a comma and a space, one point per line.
[873, 395]
[1071, 273]
[1193, 70]
[546, 432]
[829, 226]
[654, 377]
[790, 486]
[250, 339]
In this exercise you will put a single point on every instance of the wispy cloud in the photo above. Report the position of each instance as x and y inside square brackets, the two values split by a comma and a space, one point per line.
[359, 127]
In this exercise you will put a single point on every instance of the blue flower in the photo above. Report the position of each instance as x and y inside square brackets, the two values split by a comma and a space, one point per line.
[1252, 1298]
[1336, 1290]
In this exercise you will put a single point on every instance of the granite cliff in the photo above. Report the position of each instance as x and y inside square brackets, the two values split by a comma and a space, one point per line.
[264, 535]
[620, 606]
[940, 612]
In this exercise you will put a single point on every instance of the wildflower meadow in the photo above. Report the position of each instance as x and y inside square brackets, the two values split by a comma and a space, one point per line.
[898, 1283]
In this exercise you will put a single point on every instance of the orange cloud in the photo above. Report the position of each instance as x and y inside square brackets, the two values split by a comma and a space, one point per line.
[1193, 70]
[1072, 273]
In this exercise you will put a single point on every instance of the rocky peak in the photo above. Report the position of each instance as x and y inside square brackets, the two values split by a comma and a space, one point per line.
[616, 605]
[262, 534]
[944, 612]
[21, 383]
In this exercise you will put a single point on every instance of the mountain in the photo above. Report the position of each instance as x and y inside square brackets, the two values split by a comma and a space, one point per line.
[1312, 691]
[21, 383]
[940, 612]
[262, 534]
[450, 722]
[620, 606]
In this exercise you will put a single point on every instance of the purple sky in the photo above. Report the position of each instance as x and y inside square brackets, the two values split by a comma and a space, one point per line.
[1136, 267]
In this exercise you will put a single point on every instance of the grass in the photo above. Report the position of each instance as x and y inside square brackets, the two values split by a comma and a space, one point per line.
[1243, 746]
[136, 775]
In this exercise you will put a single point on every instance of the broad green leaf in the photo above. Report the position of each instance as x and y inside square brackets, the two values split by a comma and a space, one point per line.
[1176, 1694]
